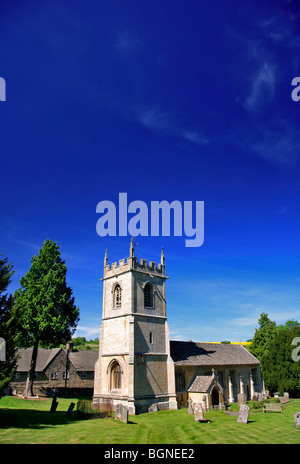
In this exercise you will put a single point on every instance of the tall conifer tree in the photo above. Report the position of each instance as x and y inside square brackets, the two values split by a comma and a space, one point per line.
[44, 306]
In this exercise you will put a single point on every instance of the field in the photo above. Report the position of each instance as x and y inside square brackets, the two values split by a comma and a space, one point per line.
[29, 421]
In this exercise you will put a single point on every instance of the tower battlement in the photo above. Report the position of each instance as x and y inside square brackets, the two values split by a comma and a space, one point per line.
[135, 264]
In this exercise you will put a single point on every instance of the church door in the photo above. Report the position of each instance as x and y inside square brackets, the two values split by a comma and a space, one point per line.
[215, 397]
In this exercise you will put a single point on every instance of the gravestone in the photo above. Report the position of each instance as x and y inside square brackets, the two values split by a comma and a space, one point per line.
[153, 408]
[124, 414]
[118, 411]
[163, 406]
[243, 414]
[260, 397]
[121, 413]
[297, 419]
[241, 398]
[190, 406]
[54, 405]
[70, 409]
[198, 412]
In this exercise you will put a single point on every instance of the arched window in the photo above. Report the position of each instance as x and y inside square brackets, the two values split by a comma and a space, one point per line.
[117, 296]
[115, 376]
[148, 296]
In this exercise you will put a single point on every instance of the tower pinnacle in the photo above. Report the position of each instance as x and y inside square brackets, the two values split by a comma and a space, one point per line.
[132, 245]
[105, 259]
[162, 257]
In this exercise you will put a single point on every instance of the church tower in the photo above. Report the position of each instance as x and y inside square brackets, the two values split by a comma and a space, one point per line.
[134, 367]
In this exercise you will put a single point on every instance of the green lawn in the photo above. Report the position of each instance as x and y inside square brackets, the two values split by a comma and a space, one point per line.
[29, 421]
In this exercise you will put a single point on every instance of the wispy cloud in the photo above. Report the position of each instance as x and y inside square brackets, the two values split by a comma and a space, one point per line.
[234, 306]
[276, 140]
[127, 42]
[262, 87]
[153, 118]
[195, 137]
[86, 331]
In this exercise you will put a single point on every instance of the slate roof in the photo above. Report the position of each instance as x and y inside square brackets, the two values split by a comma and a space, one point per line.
[43, 359]
[83, 360]
[210, 354]
[201, 383]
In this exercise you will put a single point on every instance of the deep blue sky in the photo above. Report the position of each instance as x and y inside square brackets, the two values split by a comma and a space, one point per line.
[164, 100]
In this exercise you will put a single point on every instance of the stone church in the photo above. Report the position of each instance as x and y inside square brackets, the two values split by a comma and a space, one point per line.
[138, 366]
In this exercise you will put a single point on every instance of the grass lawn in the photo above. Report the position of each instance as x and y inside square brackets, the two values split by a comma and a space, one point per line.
[29, 421]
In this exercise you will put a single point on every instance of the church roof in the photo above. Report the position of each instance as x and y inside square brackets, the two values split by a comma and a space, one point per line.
[201, 383]
[209, 354]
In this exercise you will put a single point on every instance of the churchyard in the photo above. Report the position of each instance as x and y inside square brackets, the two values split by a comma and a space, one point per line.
[30, 421]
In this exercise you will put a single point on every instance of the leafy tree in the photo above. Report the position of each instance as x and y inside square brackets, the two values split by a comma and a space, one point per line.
[79, 341]
[8, 350]
[44, 306]
[281, 372]
[290, 324]
[262, 336]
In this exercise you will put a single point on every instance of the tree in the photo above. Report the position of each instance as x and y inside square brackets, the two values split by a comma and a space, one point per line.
[289, 325]
[44, 306]
[262, 336]
[281, 372]
[8, 350]
[79, 341]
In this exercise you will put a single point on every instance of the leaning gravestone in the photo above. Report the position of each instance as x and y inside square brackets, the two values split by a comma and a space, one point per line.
[198, 412]
[297, 419]
[54, 405]
[70, 409]
[243, 414]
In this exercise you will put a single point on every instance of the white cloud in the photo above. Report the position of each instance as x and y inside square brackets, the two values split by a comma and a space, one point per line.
[87, 331]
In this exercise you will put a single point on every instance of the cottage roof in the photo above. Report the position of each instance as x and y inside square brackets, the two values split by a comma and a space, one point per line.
[209, 354]
[83, 360]
[43, 359]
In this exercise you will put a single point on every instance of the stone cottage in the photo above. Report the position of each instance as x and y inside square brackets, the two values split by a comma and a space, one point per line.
[58, 368]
